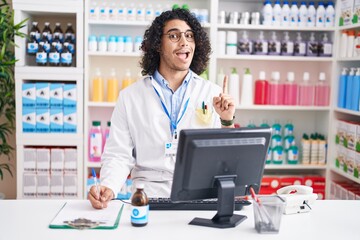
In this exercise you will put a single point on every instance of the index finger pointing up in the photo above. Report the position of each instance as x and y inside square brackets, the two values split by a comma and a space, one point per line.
[225, 84]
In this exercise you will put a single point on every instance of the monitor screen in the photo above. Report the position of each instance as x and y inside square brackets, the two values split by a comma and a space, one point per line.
[219, 163]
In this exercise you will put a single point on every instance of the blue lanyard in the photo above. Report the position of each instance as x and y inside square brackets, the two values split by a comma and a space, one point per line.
[173, 124]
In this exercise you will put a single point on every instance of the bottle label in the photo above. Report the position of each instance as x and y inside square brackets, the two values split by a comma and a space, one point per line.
[139, 214]
[41, 57]
[32, 47]
[66, 58]
[95, 145]
[54, 57]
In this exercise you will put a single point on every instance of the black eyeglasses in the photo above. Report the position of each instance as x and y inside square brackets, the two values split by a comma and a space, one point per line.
[175, 35]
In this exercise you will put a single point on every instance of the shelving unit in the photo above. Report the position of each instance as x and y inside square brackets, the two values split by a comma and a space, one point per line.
[306, 119]
[27, 72]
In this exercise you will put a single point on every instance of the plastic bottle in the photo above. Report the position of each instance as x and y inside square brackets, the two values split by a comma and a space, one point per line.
[325, 47]
[102, 44]
[94, 11]
[220, 78]
[121, 12]
[305, 149]
[92, 43]
[32, 44]
[112, 87]
[350, 44]
[357, 45]
[139, 207]
[113, 12]
[289, 128]
[303, 14]
[112, 45]
[140, 13]
[131, 13]
[320, 15]
[278, 155]
[312, 49]
[287, 46]
[95, 142]
[54, 55]
[106, 133]
[274, 45]
[120, 44]
[66, 56]
[330, 15]
[261, 45]
[245, 45]
[127, 80]
[290, 90]
[322, 150]
[342, 88]
[276, 14]
[251, 124]
[234, 86]
[247, 90]
[276, 90]
[356, 91]
[59, 32]
[261, 89]
[311, 21]
[349, 85]
[285, 14]
[322, 91]
[158, 10]
[35, 31]
[267, 12]
[137, 45]
[97, 87]
[292, 155]
[294, 14]
[104, 11]
[343, 44]
[70, 44]
[45, 42]
[306, 91]
[56, 40]
[289, 140]
[299, 46]
[149, 13]
[128, 44]
[41, 55]
[47, 30]
[314, 149]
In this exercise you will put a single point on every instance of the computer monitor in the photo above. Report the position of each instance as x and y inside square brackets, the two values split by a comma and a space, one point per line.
[219, 163]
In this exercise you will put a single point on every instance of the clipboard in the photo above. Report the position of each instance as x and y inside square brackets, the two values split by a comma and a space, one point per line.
[81, 215]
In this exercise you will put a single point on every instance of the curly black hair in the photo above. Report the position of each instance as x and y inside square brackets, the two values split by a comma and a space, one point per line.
[152, 42]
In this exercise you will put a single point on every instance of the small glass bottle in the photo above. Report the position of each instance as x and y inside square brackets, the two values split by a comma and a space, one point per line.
[139, 207]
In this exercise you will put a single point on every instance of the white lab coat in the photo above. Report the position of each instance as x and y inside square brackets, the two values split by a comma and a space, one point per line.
[140, 123]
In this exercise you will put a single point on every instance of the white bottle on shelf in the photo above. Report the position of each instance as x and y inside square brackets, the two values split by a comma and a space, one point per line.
[294, 14]
[350, 44]
[94, 11]
[343, 44]
[285, 14]
[247, 94]
[149, 13]
[267, 12]
[287, 46]
[303, 14]
[320, 15]
[121, 12]
[234, 86]
[311, 22]
[104, 11]
[276, 14]
[330, 15]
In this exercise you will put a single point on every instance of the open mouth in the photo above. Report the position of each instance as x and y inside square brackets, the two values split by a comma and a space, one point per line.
[183, 55]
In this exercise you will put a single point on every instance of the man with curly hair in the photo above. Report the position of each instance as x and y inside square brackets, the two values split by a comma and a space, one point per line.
[150, 113]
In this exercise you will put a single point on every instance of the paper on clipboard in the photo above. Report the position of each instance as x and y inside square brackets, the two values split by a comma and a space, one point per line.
[108, 218]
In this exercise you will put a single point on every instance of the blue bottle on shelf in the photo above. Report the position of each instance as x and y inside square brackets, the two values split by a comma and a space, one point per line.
[349, 85]
[356, 91]
[342, 88]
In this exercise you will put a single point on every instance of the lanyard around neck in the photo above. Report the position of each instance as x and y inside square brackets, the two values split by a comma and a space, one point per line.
[174, 124]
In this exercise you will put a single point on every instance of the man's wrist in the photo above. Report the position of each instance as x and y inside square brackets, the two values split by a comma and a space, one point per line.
[227, 123]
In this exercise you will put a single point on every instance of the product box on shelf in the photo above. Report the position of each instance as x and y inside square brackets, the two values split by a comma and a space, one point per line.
[270, 184]
[28, 95]
[70, 122]
[56, 120]
[357, 144]
[356, 11]
[349, 162]
[351, 134]
[29, 185]
[357, 165]
[43, 185]
[29, 119]
[42, 94]
[70, 185]
[56, 95]
[346, 12]
[29, 163]
[43, 120]
[56, 185]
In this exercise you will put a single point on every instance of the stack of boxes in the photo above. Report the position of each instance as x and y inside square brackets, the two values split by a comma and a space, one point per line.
[49, 107]
[50, 173]
[348, 147]
[349, 12]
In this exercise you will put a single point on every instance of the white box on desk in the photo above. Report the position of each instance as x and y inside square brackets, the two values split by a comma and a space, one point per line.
[29, 162]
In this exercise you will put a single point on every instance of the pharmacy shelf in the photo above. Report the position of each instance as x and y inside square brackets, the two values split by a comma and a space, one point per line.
[283, 108]
[347, 59]
[351, 26]
[52, 73]
[346, 111]
[114, 54]
[101, 104]
[294, 167]
[49, 139]
[276, 58]
[128, 23]
[274, 28]
[344, 174]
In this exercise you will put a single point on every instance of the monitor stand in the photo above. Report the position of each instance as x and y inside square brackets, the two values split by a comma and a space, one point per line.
[225, 217]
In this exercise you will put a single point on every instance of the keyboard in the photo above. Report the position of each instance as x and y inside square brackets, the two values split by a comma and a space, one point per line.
[195, 205]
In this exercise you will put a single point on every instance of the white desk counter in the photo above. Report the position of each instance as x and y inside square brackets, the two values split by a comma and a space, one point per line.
[29, 219]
